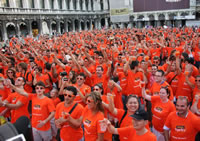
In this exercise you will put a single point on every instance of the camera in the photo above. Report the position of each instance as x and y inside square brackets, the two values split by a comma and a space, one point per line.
[64, 73]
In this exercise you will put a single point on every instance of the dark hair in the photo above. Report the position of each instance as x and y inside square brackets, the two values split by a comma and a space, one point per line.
[40, 83]
[82, 74]
[167, 90]
[100, 67]
[161, 71]
[189, 60]
[23, 66]
[96, 96]
[100, 86]
[73, 80]
[71, 89]
[48, 66]
[134, 64]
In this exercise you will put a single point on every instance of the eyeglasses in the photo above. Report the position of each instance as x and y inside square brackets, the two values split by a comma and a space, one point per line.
[89, 101]
[79, 78]
[95, 89]
[41, 88]
[197, 80]
[10, 72]
[70, 96]
[19, 80]
[155, 62]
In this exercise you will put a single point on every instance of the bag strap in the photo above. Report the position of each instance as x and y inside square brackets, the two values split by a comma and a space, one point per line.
[72, 109]
[172, 79]
[122, 117]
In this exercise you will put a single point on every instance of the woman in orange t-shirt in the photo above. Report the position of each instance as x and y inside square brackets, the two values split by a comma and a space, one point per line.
[161, 108]
[91, 118]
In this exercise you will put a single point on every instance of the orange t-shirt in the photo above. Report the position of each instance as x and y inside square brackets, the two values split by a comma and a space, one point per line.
[133, 83]
[155, 89]
[67, 131]
[160, 112]
[183, 129]
[174, 82]
[41, 109]
[91, 123]
[21, 111]
[85, 89]
[131, 133]
[183, 88]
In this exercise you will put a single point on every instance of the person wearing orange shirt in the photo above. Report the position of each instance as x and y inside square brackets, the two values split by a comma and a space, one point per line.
[17, 103]
[91, 118]
[138, 130]
[182, 124]
[161, 108]
[43, 110]
[83, 88]
[62, 109]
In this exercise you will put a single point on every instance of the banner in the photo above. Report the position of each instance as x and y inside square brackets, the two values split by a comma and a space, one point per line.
[119, 11]
[159, 5]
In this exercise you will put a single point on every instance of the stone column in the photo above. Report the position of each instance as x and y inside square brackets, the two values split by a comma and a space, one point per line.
[83, 5]
[39, 26]
[58, 26]
[105, 4]
[12, 3]
[50, 26]
[89, 5]
[96, 5]
[106, 23]
[25, 4]
[55, 4]
[85, 25]
[64, 5]
[37, 4]
[4, 31]
[30, 27]
[66, 25]
[17, 28]
[71, 5]
[46, 4]
[73, 25]
[91, 24]
[77, 4]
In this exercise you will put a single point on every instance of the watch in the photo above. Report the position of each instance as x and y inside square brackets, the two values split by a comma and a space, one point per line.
[4, 104]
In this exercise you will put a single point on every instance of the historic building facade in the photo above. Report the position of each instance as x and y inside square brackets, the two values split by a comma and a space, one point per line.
[33, 17]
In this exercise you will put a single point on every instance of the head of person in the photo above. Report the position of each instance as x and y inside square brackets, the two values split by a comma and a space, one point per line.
[134, 65]
[140, 119]
[40, 88]
[154, 69]
[197, 81]
[156, 60]
[132, 103]
[69, 93]
[164, 93]
[39, 69]
[112, 81]
[20, 81]
[94, 102]
[159, 76]
[11, 73]
[99, 71]
[80, 79]
[98, 88]
[182, 106]
[86, 61]
[22, 67]
[100, 58]
[120, 57]
[72, 76]
[53, 93]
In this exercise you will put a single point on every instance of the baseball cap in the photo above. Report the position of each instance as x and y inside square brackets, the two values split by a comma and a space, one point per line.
[140, 114]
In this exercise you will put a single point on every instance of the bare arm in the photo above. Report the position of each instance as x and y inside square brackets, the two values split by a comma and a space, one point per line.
[145, 95]
[166, 135]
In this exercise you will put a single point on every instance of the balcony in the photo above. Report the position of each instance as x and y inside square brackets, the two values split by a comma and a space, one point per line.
[26, 11]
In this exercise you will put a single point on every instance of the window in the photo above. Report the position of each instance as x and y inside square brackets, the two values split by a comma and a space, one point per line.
[19, 3]
[5, 3]
[42, 4]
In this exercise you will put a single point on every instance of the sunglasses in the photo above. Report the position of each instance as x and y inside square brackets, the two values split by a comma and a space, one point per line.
[37, 88]
[19, 80]
[70, 96]
[10, 72]
[79, 78]
[155, 62]
[95, 89]
[197, 80]
[89, 101]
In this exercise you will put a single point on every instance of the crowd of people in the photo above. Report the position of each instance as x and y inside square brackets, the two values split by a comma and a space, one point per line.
[104, 85]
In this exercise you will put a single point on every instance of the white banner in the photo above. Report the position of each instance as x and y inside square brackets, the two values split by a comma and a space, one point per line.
[119, 10]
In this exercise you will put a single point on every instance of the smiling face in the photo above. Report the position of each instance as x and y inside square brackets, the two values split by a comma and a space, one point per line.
[39, 90]
[69, 96]
[132, 104]
[139, 124]
[91, 103]
[163, 94]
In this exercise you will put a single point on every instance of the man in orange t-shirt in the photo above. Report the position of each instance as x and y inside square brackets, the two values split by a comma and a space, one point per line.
[181, 125]
[17, 103]
[62, 109]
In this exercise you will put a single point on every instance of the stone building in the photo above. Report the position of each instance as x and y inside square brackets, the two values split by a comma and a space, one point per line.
[33, 17]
